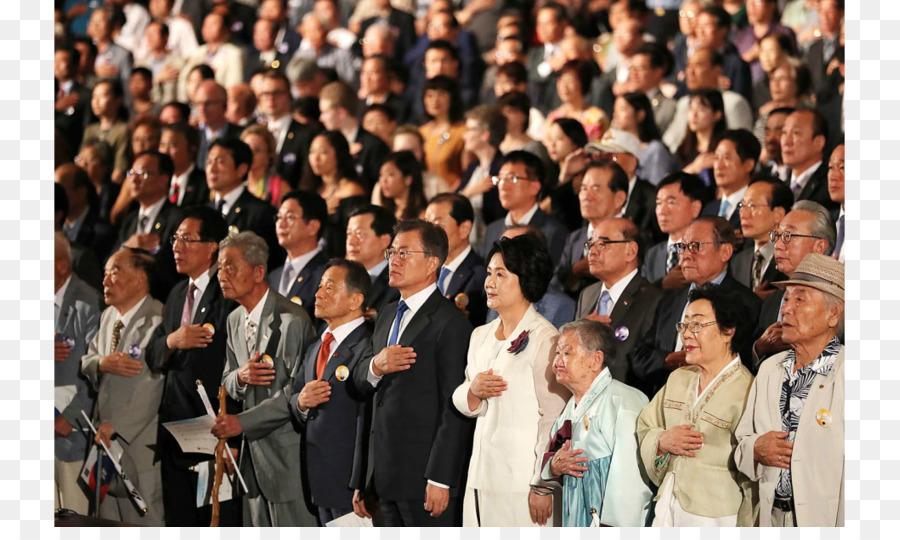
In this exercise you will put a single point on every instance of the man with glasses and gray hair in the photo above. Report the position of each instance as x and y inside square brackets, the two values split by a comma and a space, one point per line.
[705, 249]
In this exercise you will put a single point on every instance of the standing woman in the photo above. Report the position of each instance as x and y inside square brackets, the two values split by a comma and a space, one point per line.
[262, 181]
[443, 133]
[573, 83]
[633, 113]
[400, 186]
[510, 389]
[107, 103]
[686, 434]
[333, 172]
[565, 141]
[706, 121]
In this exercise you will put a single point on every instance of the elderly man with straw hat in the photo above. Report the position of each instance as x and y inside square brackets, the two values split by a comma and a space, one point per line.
[791, 436]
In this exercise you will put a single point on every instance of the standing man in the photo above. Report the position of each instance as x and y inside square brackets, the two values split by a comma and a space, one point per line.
[764, 205]
[189, 346]
[210, 103]
[292, 139]
[76, 309]
[679, 199]
[464, 272]
[422, 344]
[802, 148]
[324, 401]
[551, 25]
[622, 299]
[299, 225]
[791, 437]
[369, 233]
[773, 164]
[128, 393]
[188, 186]
[735, 159]
[267, 335]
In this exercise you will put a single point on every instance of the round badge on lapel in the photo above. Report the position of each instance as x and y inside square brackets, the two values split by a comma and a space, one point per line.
[232, 229]
[461, 300]
[823, 417]
[70, 342]
[342, 372]
[210, 327]
[134, 351]
[297, 300]
[266, 359]
[622, 333]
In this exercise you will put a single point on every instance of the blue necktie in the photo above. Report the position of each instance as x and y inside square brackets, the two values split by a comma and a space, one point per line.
[395, 332]
[603, 303]
[723, 209]
[672, 259]
[840, 237]
[444, 273]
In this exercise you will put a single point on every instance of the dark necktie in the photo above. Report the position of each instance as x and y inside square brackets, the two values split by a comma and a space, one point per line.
[188, 309]
[672, 259]
[116, 335]
[220, 206]
[758, 263]
[840, 237]
[395, 332]
[142, 223]
[324, 354]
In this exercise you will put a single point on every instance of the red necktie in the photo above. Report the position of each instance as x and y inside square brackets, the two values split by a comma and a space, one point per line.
[174, 198]
[324, 354]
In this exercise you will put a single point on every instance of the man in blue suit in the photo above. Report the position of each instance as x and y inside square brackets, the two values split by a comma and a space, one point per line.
[324, 401]
[299, 226]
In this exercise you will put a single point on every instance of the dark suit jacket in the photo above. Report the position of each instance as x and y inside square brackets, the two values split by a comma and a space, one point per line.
[251, 214]
[816, 188]
[72, 121]
[816, 61]
[403, 22]
[641, 209]
[196, 191]
[167, 221]
[648, 357]
[417, 434]
[253, 62]
[332, 428]
[398, 105]
[542, 90]
[305, 284]
[654, 267]
[232, 131]
[469, 279]
[555, 232]
[742, 268]
[370, 157]
[294, 152]
[182, 368]
[633, 311]
[572, 253]
[381, 294]
[712, 209]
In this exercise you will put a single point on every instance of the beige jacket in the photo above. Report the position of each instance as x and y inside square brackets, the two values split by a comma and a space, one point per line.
[709, 484]
[817, 463]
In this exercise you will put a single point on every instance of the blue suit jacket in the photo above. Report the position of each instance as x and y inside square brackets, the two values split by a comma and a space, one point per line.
[305, 284]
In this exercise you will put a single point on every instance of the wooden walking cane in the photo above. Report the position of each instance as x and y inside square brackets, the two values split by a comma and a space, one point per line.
[221, 448]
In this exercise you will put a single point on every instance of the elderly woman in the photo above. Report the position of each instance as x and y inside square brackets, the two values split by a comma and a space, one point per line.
[573, 84]
[594, 453]
[686, 433]
[511, 391]
[791, 437]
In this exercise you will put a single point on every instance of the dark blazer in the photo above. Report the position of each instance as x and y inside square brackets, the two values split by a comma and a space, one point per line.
[397, 105]
[572, 253]
[72, 121]
[294, 152]
[332, 428]
[647, 359]
[816, 188]
[251, 214]
[87, 265]
[641, 209]
[232, 131]
[370, 157]
[290, 41]
[542, 90]
[196, 191]
[167, 221]
[253, 62]
[816, 61]
[712, 209]
[305, 284]
[469, 279]
[491, 209]
[654, 267]
[742, 268]
[555, 232]
[381, 294]
[631, 318]
[417, 434]
[403, 22]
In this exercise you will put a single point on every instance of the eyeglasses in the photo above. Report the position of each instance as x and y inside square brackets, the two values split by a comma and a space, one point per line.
[287, 218]
[198, 104]
[390, 253]
[143, 175]
[686, 14]
[785, 236]
[184, 239]
[693, 247]
[272, 94]
[750, 207]
[601, 244]
[512, 178]
[693, 326]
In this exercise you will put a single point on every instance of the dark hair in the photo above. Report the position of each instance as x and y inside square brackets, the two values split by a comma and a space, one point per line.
[443, 45]
[631, 232]
[345, 164]
[573, 130]
[60, 200]
[409, 166]
[277, 75]
[785, 42]
[688, 148]
[206, 72]
[558, 10]
[715, 57]
[531, 231]
[383, 220]
[518, 101]
[146, 73]
[780, 110]
[582, 72]
[191, 135]
[213, 227]
[691, 185]
[183, 109]
[745, 143]
[780, 195]
[491, 119]
[659, 55]
[74, 57]
[532, 163]
[307, 106]
[383, 109]
[723, 18]
[356, 278]
[238, 149]
[513, 70]
[460, 207]
[647, 128]
[163, 161]
[619, 179]
[730, 312]
[723, 232]
[313, 206]
[594, 336]
[525, 257]
[819, 124]
[143, 261]
[802, 74]
[434, 239]
[442, 83]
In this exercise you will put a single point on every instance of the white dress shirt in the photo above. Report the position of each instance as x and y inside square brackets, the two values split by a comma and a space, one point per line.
[181, 180]
[230, 198]
[454, 265]
[526, 219]
[296, 266]
[803, 178]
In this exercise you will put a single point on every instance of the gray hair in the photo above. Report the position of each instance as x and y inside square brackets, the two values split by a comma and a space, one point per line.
[593, 336]
[312, 15]
[831, 302]
[253, 248]
[822, 225]
[382, 28]
[61, 247]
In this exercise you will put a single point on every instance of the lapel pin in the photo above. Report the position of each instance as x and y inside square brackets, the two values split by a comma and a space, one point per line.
[342, 373]
[624, 302]
[157, 226]
[275, 64]
[587, 423]
[297, 300]
[622, 333]
[823, 417]
[290, 134]
[266, 359]
[237, 210]
[461, 300]
[232, 229]
[299, 279]
[203, 310]
[211, 328]
[134, 352]
[70, 342]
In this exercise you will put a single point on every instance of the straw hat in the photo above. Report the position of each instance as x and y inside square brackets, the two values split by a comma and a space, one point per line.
[616, 141]
[819, 272]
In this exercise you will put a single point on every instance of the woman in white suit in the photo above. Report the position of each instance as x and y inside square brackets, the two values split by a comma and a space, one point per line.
[511, 390]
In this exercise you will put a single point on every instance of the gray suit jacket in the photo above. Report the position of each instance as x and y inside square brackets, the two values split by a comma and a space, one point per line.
[130, 404]
[654, 267]
[272, 465]
[79, 320]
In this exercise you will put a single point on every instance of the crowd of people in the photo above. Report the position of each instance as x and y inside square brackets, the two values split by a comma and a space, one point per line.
[454, 262]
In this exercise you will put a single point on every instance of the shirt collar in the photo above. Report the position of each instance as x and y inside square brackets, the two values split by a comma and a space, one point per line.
[151, 212]
[715, 281]
[202, 282]
[526, 219]
[212, 135]
[230, 198]
[72, 228]
[256, 313]
[341, 332]
[631, 184]
[822, 364]
[181, 180]
[616, 290]
[61, 293]
[128, 315]
[300, 262]
[454, 264]
[802, 178]
[279, 125]
[734, 199]
[416, 301]
[376, 270]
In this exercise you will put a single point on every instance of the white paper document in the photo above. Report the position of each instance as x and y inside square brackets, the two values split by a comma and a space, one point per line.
[193, 434]
[205, 479]
[63, 395]
[350, 520]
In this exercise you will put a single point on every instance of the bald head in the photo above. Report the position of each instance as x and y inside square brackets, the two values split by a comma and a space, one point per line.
[210, 101]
